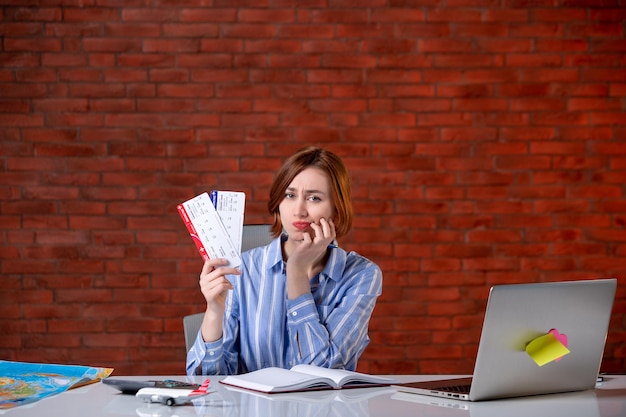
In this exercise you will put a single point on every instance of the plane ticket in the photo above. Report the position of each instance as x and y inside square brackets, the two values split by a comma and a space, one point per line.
[208, 231]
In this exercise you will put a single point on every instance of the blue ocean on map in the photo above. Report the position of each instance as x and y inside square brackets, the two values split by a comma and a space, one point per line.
[23, 382]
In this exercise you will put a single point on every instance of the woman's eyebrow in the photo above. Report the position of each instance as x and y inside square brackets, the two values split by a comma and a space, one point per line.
[307, 191]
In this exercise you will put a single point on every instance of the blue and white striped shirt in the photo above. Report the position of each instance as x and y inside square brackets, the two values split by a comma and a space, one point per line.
[262, 327]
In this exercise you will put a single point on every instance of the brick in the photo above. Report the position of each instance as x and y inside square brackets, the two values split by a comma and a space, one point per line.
[587, 133]
[561, 45]
[198, 14]
[306, 31]
[339, 16]
[281, 61]
[60, 105]
[311, 120]
[19, 60]
[595, 60]
[444, 194]
[561, 118]
[36, 75]
[503, 45]
[185, 90]
[618, 90]
[394, 76]
[14, 106]
[91, 13]
[445, 119]
[31, 45]
[607, 15]
[423, 105]
[608, 118]
[423, 30]
[111, 341]
[563, 148]
[168, 75]
[80, 74]
[125, 75]
[479, 104]
[142, 60]
[604, 29]
[602, 74]
[453, 15]
[18, 120]
[44, 222]
[260, 15]
[468, 60]
[167, 46]
[578, 163]
[574, 206]
[21, 29]
[397, 14]
[253, 31]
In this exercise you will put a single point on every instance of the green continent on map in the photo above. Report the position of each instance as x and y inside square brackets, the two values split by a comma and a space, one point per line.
[13, 389]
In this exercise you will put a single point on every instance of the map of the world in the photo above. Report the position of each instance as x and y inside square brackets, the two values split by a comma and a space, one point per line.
[23, 383]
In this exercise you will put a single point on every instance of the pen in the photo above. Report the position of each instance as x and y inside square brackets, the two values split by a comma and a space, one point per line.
[332, 246]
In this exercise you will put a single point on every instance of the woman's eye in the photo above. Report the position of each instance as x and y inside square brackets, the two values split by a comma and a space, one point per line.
[289, 195]
[315, 198]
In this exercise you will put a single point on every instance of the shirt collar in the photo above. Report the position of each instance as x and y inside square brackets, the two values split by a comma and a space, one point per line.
[336, 264]
[275, 252]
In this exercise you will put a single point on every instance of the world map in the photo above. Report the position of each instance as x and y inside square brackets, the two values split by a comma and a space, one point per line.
[23, 382]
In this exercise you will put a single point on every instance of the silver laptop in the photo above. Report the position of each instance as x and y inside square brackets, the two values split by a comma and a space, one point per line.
[520, 313]
[570, 404]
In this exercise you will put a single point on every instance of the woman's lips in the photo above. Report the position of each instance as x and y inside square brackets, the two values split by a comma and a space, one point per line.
[301, 225]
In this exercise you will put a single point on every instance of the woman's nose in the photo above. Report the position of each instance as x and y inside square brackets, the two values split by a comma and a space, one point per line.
[300, 208]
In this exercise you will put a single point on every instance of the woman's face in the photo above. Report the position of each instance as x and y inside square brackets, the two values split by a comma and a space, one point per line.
[307, 199]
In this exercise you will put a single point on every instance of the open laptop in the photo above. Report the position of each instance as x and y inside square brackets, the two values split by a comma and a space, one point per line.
[570, 404]
[520, 313]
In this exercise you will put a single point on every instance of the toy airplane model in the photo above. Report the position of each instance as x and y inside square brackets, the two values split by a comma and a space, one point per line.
[173, 396]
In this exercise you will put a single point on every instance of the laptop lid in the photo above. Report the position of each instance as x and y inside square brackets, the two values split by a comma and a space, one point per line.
[519, 314]
[575, 313]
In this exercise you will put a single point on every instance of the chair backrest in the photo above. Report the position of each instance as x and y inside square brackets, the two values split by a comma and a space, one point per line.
[191, 326]
[253, 235]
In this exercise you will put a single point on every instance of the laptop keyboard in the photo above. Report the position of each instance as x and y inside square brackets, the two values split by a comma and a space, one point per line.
[460, 389]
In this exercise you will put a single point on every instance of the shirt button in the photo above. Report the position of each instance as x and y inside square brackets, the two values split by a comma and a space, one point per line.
[295, 313]
[211, 353]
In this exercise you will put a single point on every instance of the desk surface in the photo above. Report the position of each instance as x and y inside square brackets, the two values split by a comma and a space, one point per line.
[99, 400]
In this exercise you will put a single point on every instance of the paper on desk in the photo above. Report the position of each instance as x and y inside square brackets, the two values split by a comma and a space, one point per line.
[549, 347]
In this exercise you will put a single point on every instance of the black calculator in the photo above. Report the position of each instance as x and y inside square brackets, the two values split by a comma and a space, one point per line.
[128, 386]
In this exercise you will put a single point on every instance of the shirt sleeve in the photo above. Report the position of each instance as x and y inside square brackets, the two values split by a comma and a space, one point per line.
[203, 358]
[218, 357]
[335, 336]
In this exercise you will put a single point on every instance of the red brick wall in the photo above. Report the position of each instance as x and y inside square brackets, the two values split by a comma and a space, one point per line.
[486, 140]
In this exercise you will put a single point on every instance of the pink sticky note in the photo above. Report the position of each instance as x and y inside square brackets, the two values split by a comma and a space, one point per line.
[561, 337]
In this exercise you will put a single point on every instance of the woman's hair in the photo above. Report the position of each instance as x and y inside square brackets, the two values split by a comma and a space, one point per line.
[338, 178]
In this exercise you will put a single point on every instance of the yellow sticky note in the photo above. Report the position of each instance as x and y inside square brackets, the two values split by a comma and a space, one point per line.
[545, 349]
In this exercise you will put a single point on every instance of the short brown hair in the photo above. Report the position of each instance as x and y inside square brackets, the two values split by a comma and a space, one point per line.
[338, 178]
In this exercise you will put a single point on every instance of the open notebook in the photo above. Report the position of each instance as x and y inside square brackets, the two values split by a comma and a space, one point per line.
[536, 338]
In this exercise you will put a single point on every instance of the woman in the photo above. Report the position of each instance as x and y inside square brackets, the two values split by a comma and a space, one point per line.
[300, 299]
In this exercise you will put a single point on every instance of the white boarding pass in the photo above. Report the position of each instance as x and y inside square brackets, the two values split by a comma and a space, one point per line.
[230, 205]
[208, 231]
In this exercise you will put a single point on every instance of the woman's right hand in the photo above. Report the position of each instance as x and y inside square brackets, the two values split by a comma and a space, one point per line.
[215, 287]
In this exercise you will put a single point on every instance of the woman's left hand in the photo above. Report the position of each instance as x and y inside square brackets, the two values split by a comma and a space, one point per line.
[306, 260]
